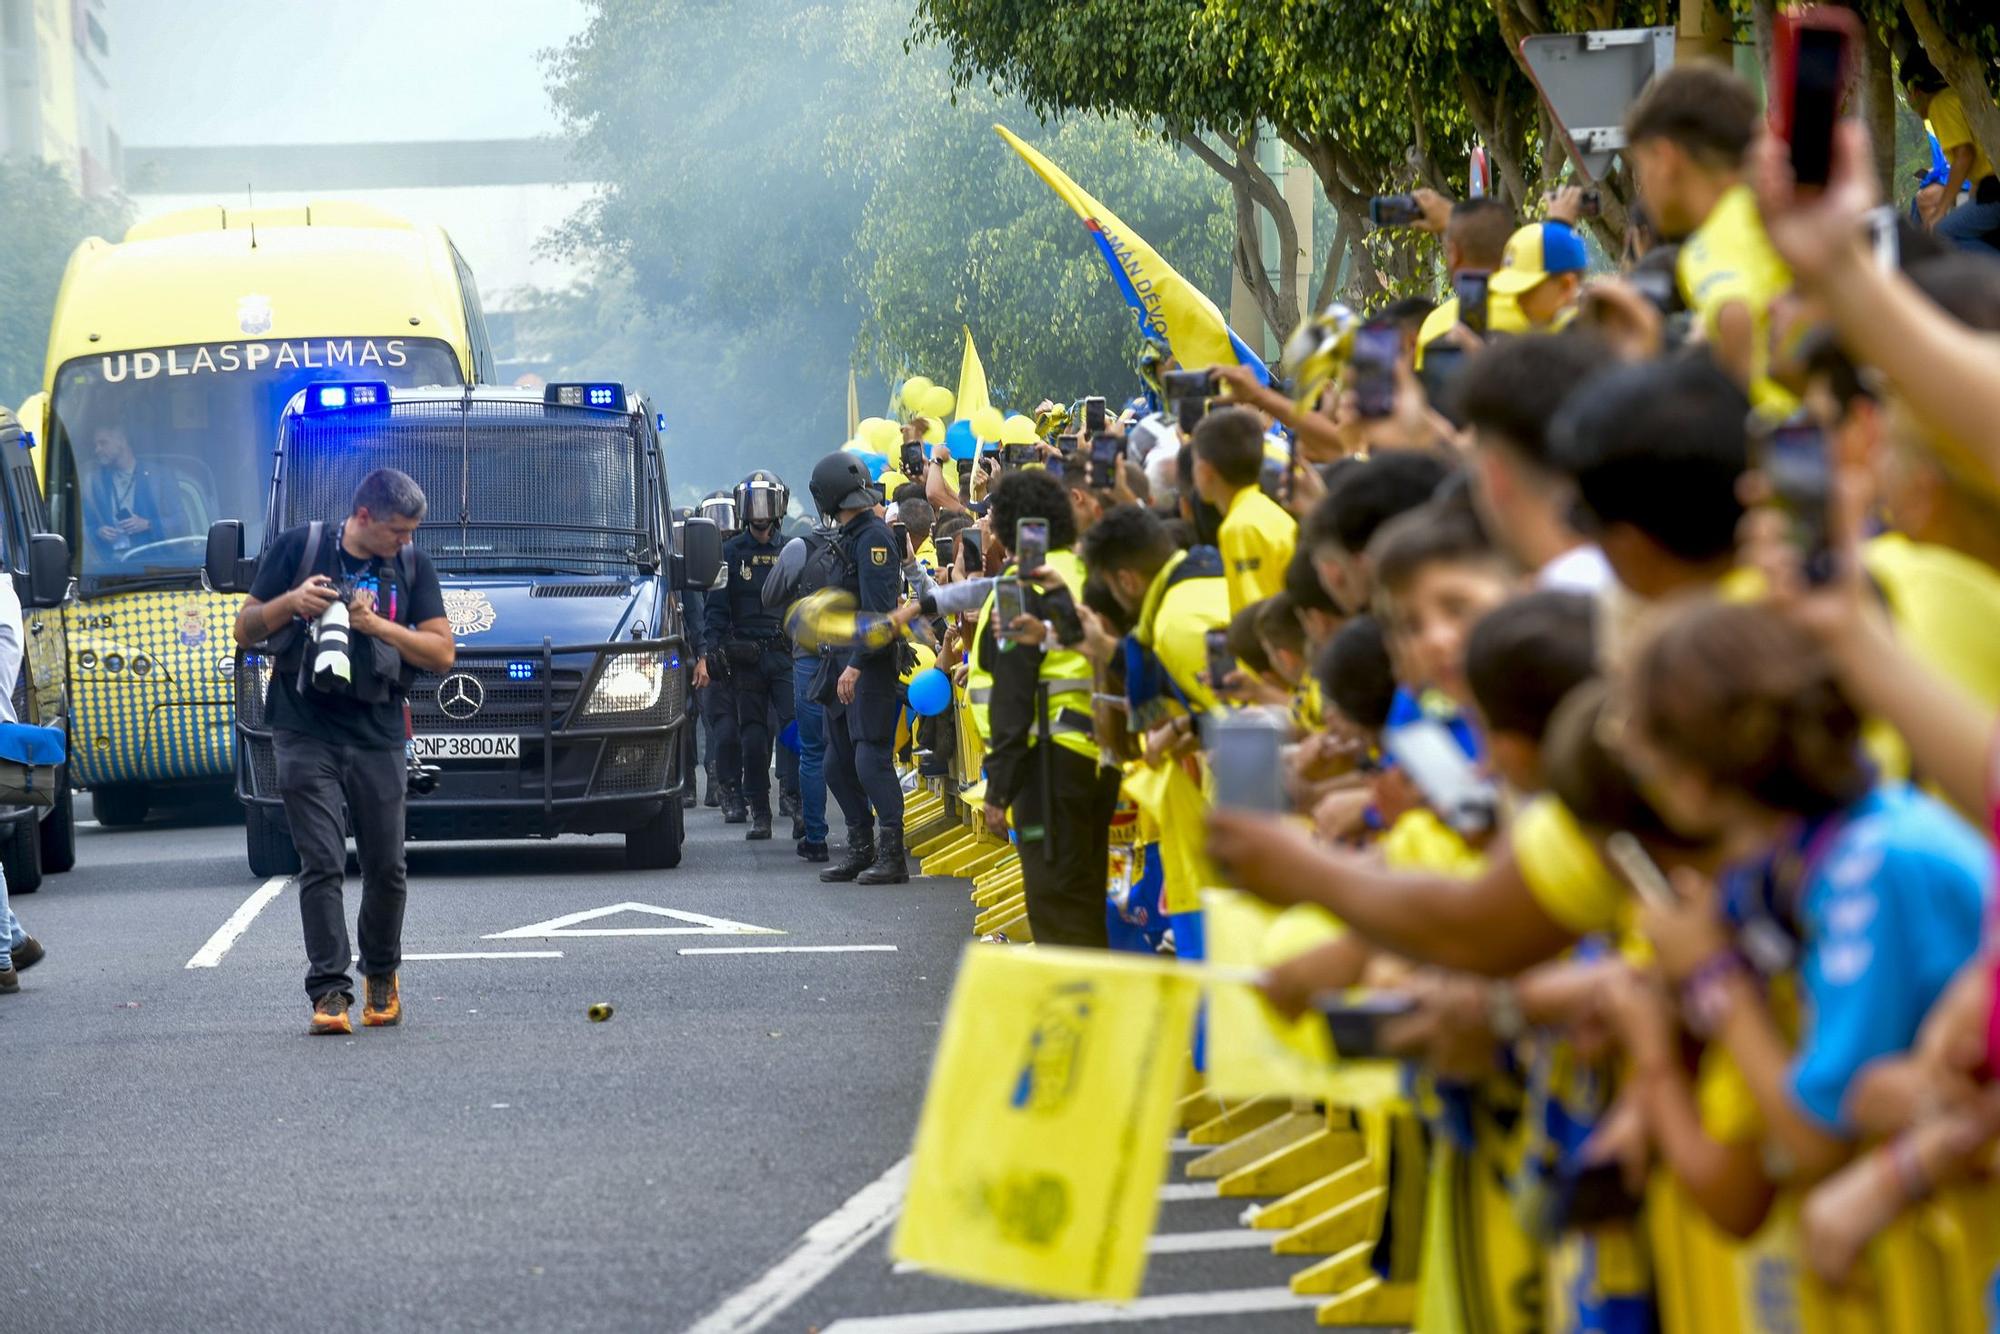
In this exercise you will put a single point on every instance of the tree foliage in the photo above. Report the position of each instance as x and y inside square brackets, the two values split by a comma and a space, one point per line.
[46, 217]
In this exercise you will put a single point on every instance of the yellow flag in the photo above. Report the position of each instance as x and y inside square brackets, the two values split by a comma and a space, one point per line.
[853, 405]
[1043, 1141]
[1253, 1051]
[1169, 305]
[971, 381]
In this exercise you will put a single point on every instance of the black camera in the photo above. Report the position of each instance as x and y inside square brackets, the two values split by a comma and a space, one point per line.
[420, 779]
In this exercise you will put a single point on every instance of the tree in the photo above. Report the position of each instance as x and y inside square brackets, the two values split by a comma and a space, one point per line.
[46, 218]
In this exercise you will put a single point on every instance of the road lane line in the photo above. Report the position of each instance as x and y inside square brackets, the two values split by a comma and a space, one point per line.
[1175, 1191]
[823, 1248]
[791, 949]
[209, 955]
[1062, 1315]
[480, 954]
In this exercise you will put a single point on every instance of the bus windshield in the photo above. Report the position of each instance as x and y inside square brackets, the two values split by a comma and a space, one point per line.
[148, 448]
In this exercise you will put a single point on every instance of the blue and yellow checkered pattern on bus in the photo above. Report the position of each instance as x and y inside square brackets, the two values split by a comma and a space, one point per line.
[151, 686]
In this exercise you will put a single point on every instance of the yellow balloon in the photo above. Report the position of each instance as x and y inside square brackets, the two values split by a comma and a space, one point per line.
[986, 423]
[934, 433]
[882, 436]
[913, 393]
[1018, 430]
[939, 402]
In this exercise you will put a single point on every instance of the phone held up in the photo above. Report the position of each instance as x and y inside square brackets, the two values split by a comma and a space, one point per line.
[1246, 753]
[1010, 604]
[1814, 59]
[1103, 463]
[1031, 545]
[1221, 662]
[1792, 456]
[1376, 348]
[1394, 210]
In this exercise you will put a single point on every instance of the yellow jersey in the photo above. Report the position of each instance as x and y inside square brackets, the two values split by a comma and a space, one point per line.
[1563, 871]
[1947, 121]
[1730, 259]
[1503, 315]
[1257, 539]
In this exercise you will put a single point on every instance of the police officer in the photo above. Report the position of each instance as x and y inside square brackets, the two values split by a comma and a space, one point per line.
[866, 695]
[742, 630]
[809, 562]
[723, 757]
[694, 604]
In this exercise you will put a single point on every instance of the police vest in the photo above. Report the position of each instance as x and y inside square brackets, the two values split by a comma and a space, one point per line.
[1067, 677]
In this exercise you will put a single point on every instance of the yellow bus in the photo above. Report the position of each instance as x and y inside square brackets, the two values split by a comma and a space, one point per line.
[171, 356]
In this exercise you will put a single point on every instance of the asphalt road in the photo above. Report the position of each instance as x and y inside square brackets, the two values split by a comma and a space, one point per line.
[178, 1155]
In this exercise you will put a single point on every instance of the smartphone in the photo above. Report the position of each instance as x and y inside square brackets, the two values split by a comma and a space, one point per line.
[913, 460]
[1641, 872]
[1179, 386]
[1031, 544]
[1376, 347]
[1443, 364]
[947, 550]
[1010, 604]
[1015, 457]
[1394, 210]
[899, 533]
[1813, 56]
[1585, 1195]
[1104, 463]
[1355, 1024]
[1093, 416]
[1245, 752]
[1221, 661]
[1469, 285]
[1792, 455]
[975, 554]
[1444, 776]
[1188, 413]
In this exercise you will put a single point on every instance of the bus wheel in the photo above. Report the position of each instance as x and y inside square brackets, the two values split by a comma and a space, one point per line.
[21, 856]
[269, 840]
[120, 804]
[59, 829]
[656, 846]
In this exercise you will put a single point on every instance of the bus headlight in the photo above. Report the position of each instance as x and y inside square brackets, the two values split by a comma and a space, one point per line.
[630, 682]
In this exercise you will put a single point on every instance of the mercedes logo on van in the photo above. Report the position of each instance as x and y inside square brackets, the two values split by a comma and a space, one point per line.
[460, 696]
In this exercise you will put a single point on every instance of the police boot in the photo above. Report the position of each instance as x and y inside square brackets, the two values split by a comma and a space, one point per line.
[888, 867]
[734, 810]
[714, 797]
[860, 856]
[760, 825]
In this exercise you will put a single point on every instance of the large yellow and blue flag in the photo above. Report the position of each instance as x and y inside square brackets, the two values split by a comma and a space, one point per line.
[1169, 307]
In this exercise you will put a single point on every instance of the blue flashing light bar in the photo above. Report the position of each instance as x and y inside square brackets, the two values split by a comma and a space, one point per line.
[336, 395]
[521, 669]
[610, 396]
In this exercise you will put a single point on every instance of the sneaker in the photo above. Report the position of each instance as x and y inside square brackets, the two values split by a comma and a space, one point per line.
[384, 1007]
[10, 981]
[330, 1014]
[813, 852]
[27, 955]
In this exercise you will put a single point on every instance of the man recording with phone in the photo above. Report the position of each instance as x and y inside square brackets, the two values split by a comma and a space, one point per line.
[349, 611]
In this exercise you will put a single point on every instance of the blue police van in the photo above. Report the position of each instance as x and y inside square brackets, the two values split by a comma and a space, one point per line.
[562, 572]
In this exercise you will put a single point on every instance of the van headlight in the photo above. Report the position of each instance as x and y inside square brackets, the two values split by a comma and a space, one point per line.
[629, 683]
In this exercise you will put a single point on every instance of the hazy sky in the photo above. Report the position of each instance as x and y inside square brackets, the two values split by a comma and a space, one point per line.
[315, 71]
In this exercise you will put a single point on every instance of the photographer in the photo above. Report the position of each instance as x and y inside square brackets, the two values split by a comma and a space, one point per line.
[341, 733]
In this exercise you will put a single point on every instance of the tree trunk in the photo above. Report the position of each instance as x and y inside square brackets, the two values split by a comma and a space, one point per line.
[1763, 23]
[1251, 188]
[1878, 106]
[1963, 70]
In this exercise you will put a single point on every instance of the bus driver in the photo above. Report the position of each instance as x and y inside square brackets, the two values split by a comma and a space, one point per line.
[125, 504]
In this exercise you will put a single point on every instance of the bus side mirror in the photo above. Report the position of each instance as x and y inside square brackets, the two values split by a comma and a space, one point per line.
[700, 558]
[225, 570]
[48, 570]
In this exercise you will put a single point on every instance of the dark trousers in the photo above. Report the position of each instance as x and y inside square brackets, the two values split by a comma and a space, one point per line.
[763, 709]
[313, 778]
[860, 769]
[1066, 845]
[724, 757]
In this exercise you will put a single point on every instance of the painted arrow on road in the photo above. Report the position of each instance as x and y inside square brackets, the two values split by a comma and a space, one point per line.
[568, 925]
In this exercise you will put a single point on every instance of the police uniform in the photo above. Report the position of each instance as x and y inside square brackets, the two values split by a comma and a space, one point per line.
[807, 564]
[742, 630]
[860, 772]
[1043, 764]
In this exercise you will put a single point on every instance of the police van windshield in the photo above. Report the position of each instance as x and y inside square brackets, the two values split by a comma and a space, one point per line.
[148, 448]
[514, 487]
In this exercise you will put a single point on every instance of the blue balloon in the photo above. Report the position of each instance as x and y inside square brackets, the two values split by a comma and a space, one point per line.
[958, 439]
[930, 692]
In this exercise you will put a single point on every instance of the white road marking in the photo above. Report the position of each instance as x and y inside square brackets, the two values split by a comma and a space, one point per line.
[790, 949]
[209, 955]
[567, 925]
[1061, 1315]
[1223, 1239]
[480, 954]
[825, 1246]
[1175, 1191]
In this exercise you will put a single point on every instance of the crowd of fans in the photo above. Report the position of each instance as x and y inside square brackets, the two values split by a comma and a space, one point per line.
[1694, 568]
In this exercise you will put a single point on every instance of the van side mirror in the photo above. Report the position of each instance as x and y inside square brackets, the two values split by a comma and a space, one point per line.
[700, 558]
[225, 570]
[48, 570]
